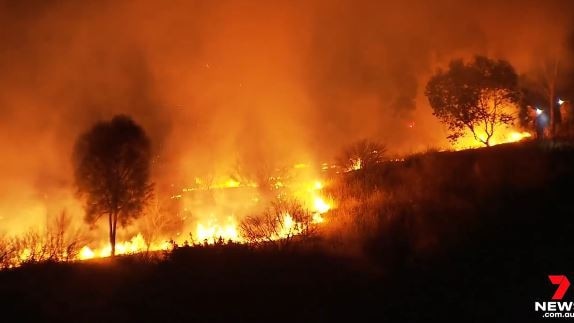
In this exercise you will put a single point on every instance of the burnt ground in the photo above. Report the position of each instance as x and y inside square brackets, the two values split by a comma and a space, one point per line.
[503, 218]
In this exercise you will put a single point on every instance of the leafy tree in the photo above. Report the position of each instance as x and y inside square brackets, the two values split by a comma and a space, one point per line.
[474, 96]
[112, 170]
[362, 154]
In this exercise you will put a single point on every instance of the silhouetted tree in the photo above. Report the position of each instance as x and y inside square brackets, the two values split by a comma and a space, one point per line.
[474, 96]
[362, 154]
[112, 169]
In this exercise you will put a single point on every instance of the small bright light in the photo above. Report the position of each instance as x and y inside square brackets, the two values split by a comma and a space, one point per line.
[560, 101]
[320, 205]
[539, 111]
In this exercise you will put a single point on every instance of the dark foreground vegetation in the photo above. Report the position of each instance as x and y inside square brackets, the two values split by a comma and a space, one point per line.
[468, 236]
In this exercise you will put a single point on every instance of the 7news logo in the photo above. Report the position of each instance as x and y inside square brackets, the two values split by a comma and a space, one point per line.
[563, 284]
[557, 307]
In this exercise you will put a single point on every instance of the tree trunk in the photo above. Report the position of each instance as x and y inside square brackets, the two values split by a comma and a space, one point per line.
[110, 233]
[552, 111]
[112, 221]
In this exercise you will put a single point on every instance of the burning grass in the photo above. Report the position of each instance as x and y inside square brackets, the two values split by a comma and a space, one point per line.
[403, 235]
[296, 208]
[347, 207]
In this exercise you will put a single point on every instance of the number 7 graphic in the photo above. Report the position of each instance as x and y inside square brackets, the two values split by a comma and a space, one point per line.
[563, 284]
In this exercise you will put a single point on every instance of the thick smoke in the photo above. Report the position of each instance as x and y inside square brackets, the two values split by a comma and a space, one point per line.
[217, 83]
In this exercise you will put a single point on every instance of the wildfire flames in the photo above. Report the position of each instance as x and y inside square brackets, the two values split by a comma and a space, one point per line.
[357, 164]
[503, 136]
[134, 245]
[225, 83]
[214, 230]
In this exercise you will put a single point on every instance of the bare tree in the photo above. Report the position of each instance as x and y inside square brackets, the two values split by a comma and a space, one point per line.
[62, 240]
[549, 83]
[279, 223]
[58, 241]
[157, 221]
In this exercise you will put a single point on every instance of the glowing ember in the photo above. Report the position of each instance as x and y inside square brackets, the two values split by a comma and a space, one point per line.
[357, 164]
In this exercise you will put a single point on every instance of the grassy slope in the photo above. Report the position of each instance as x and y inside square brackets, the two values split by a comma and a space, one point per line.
[472, 236]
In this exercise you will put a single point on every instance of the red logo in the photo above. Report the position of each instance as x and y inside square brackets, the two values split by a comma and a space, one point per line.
[563, 284]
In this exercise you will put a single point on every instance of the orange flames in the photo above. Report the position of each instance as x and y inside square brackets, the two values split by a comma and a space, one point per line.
[502, 136]
[215, 229]
[61, 241]
[136, 244]
[214, 226]
[212, 230]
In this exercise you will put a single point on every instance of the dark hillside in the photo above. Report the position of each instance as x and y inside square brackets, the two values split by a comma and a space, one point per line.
[469, 236]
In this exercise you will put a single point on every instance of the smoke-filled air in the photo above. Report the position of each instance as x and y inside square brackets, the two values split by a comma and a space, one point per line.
[242, 101]
[286, 160]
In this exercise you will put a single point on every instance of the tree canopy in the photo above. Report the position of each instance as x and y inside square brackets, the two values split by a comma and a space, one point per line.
[474, 96]
[112, 170]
